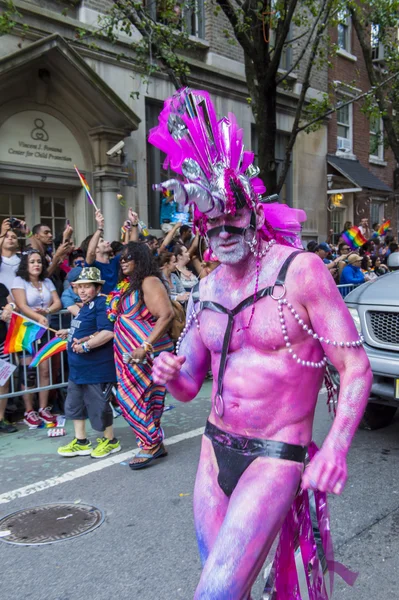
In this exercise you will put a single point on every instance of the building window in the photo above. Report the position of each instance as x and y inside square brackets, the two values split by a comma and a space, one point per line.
[337, 217]
[344, 31]
[377, 49]
[376, 138]
[12, 205]
[189, 16]
[376, 212]
[344, 128]
[52, 213]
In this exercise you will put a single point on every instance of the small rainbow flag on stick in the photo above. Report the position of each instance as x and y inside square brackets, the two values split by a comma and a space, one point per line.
[384, 228]
[353, 237]
[86, 188]
[54, 346]
[22, 332]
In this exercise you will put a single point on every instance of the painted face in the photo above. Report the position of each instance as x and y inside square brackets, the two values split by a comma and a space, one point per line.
[86, 291]
[10, 241]
[231, 248]
[127, 265]
[35, 265]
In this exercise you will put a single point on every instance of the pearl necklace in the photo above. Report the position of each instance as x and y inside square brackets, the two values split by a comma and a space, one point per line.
[305, 363]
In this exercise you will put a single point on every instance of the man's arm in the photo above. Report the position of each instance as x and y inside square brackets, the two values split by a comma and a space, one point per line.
[332, 321]
[184, 375]
[92, 248]
[169, 236]
[134, 230]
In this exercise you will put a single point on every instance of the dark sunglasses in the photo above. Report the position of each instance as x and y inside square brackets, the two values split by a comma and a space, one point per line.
[126, 259]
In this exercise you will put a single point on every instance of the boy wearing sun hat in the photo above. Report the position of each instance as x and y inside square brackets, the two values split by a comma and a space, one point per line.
[91, 370]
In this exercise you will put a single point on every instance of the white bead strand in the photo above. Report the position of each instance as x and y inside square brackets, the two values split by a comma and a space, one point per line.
[305, 363]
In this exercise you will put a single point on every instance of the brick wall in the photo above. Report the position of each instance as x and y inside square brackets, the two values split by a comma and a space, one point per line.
[215, 27]
[319, 76]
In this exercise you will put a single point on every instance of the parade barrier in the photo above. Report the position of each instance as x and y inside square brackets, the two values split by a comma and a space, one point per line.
[24, 373]
[345, 288]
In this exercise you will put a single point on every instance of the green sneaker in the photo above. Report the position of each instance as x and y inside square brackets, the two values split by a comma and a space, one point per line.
[75, 449]
[105, 447]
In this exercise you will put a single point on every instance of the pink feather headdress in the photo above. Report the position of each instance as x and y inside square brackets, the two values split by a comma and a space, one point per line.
[218, 173]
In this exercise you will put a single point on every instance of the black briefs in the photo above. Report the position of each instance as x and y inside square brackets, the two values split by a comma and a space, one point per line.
[234, 453]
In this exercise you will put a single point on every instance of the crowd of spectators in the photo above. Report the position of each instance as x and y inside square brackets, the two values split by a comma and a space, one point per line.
[354, 266]
[40, 273]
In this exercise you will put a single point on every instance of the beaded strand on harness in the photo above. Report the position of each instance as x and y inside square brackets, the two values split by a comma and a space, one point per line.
[305, 363]
[191, 318]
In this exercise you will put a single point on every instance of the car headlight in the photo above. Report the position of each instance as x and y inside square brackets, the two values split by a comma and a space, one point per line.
[356, 318]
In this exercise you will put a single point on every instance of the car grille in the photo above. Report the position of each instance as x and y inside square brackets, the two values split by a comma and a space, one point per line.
[385, 326]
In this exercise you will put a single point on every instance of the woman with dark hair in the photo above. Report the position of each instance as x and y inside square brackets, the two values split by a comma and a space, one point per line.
[167, 263]
[36, 297]
[367, 270]
[187, 278]
[142, 312]
[377, 266]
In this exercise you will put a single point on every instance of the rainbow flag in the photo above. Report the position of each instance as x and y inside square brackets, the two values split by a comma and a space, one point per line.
[353, 237]
[85, 186]
[21, 334]
[384, 228]
[54, 346]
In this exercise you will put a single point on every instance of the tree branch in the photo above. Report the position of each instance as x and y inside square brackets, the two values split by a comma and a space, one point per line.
[241, 36]
[302, 96]
[372, 73]
[282, 31]
[370, 92]
[305, 46]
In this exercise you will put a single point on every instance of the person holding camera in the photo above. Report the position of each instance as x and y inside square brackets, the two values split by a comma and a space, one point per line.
[9, 248]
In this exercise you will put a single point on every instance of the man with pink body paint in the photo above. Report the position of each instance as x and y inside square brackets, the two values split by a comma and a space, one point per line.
[271, 375]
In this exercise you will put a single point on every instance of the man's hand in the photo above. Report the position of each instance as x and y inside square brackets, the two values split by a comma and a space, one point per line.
[167, 367]
[63, 250]
[62, 333]
[68, 232]
[133, 216]
[327, 472]
[99, 219]
[5, 226]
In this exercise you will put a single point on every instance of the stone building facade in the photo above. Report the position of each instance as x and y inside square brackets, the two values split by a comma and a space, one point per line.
[360, 168]
[63, 102]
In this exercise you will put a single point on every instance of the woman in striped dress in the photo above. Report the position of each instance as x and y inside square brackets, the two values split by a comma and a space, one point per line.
[142, 312]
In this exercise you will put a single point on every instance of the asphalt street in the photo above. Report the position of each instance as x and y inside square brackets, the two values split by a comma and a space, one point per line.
[146, 547]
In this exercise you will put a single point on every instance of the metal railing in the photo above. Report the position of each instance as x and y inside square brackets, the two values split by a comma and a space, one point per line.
[345, 288]
[60, 320]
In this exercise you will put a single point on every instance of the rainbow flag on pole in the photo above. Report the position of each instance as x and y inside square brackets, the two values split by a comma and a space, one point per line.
[54, 346]
[85, 186]
[353, 237]
[22, 332]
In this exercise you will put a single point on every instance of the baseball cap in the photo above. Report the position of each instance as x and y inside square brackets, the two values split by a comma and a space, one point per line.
[324, 246]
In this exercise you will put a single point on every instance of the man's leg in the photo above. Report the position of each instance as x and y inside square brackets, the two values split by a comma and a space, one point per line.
[210, 502]
[255, 513]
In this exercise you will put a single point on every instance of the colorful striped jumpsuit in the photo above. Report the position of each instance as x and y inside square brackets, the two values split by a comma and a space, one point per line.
[141, 401]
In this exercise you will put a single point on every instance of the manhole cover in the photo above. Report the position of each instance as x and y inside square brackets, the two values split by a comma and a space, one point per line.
[49, 523]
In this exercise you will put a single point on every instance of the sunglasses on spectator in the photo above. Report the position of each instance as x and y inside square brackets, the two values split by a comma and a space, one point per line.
[126, 258]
